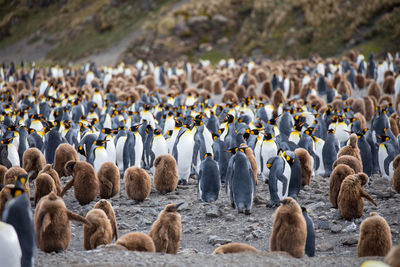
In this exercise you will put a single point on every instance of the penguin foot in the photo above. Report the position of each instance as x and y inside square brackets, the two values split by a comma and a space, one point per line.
[240, 210]
[266, 181]
[272, 204]
[233, 205]
[182, 182]
[247, 212]
[163, 192]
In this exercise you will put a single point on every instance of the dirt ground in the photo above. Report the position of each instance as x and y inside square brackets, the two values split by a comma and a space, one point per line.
[206, 226]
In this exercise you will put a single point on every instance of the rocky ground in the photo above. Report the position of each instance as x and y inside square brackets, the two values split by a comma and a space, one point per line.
[206, 226]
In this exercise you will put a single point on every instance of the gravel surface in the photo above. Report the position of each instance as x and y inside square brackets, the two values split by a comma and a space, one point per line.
[206, 226]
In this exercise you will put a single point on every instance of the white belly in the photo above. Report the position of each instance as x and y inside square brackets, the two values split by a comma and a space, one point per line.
[10, 250]
[257, 153]
[37, 125]
[101, 157]
[382, 154]
[159, 146]
[13, 156]
[120, 152]
[268, 150]
[185, 154]
[171, 141]
[169, 125]
[98, 99]
[287, 172]
[138, 149]
[111, 151]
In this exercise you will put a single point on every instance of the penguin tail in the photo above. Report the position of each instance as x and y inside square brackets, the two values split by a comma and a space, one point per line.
[368, 197]
[163, 192]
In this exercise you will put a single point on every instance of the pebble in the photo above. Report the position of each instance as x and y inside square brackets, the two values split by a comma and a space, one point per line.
[324, 224]
[350, 241]
[229, 218]
[325, 247]
[336, 228]
[212, 211]
[213, 240]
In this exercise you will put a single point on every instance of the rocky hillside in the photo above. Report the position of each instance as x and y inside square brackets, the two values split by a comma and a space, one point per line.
[71, 30]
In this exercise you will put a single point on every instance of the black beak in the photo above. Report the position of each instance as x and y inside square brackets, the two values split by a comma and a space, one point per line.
[178, 205]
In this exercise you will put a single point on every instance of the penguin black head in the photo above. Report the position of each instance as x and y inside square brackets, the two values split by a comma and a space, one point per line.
[268, 136]
[173, 207]
[298, 126]
[12, 128]
[288, 158]
[100, 142]
[215, 136]
[208, 155]
[82, 151]
[21, 179]
[135, 127]
[383, 138]
[148, 129]
[107, 131]
[232, 150]
[7, 141]
[16, 191]
[156, 132]
[230, 118]
[178, 123]
[304, 209]
[331, 131]
[309, 131]
[221, 130]
[188, 126]
[198, 122]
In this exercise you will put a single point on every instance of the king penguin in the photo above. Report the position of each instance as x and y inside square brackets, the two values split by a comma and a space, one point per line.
[209, 179]
[240, 182]
[386, 155]
[10, 250]
[98, 154]
[18, 213]
[268, 150]
[329, 152]
[310, 241]
[12, 152]
[295, 174]
[183, 153]
[279, 179]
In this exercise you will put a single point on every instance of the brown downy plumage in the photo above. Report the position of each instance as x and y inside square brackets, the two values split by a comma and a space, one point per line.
[375, 237]
[266, 88]
[109, 179]
[165, 174]
[351, 196]
[3, 170]
[396, 174]
[106, 206]
[241, 92]
[360, 81]
[305, 164]
[235, 248]
[350, 161]
[136, 241]
[250, 155]
[44, 184]
[351, 149]
[374, 90]
[393, 119]
[369, 108]
[33, 162]
[230, 96]
[64, 153]
[5, 195]
[278, 97]
[217, 87]
[137, 183]
[388, 85]
[84, 180]
[344, 88]
[166, 230]
[339, 173]
[393, 257]
[358, 105]
[98, 231]
[48, 169]
[52, 223]
[361, 119]
[289, 231]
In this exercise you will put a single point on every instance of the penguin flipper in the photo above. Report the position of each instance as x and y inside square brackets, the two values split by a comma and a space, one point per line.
[152, 158]
[368, 197]
[386, 164]
[66, 187]
[76, 217]
[284, 181]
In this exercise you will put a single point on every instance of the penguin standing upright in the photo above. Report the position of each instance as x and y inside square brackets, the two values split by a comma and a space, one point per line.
[329, 152]
[51, 141]
[268, 150]
[221, 156]
[18, 213]
[10, 250]
[209, 179]
[12, 152]
[365, 152]
[183, 153]
[203, 142]
[295, 174]
[158, 146]
[133, 148]
[240, 182]
[98, 154]
[279, 179]
[386, 155]
[310, 241]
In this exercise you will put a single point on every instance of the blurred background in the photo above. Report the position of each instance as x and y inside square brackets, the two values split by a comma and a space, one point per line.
[110, 31]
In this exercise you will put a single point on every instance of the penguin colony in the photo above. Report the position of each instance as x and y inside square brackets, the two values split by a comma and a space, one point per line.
[284, 122]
